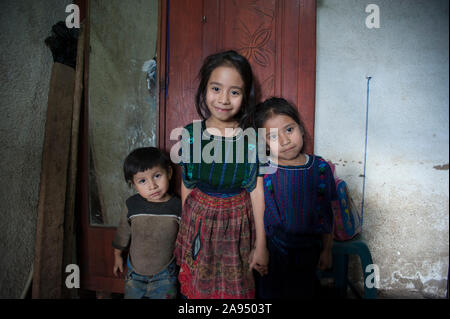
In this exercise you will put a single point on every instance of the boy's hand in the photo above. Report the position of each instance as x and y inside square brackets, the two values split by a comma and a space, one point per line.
[325, 259]
[118, 265]
[259, 260]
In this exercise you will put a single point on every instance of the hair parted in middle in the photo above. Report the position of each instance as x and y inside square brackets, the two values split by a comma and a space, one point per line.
[232, 59]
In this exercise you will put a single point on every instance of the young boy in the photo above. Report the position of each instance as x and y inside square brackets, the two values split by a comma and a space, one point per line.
[150, 221]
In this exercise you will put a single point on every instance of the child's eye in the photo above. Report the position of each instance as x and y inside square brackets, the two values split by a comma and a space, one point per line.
[235, 93]
[290, 129]
[141, 181]
[157, 176]
[273, 137]
[215, 89]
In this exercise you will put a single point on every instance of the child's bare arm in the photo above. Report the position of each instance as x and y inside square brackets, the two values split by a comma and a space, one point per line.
[259, 258]
[118, 261]
[327, 240]
[326, 257]
[121, 241]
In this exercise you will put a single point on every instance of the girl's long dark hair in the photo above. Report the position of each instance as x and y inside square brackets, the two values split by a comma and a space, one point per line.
[233, 59]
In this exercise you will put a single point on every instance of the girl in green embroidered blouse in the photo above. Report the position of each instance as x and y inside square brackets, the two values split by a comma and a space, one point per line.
[224, 100]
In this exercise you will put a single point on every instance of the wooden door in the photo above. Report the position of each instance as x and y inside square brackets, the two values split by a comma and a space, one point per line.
[278, 37]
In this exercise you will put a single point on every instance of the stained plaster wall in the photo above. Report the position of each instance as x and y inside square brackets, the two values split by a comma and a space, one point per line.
[122, 111]
[406, 214]
[25, 67]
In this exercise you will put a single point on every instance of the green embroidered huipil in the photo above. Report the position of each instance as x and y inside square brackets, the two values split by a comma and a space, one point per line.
[218, 166]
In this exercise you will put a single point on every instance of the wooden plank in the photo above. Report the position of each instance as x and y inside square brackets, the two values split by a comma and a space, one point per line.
[161, 66]
[69, 219]
[82, 4]
[52, 196]
[83, 240]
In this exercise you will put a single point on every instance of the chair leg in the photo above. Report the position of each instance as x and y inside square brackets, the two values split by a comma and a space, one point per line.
[340, 271]
[366, 259]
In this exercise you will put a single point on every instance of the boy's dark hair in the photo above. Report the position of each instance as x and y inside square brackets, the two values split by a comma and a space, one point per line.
[233, 59]
[142, 159]
[277, 106]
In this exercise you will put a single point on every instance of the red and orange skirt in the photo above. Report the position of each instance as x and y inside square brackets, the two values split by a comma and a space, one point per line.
[213, 246]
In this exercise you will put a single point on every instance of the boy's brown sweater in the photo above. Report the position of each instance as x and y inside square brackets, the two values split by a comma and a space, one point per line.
[150, 230]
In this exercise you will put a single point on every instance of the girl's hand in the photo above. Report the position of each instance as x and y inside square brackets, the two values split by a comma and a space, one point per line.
[259, 260]
[325, 259]
[118, 265]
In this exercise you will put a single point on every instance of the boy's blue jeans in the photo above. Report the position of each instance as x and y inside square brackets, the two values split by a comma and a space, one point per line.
[163, 285]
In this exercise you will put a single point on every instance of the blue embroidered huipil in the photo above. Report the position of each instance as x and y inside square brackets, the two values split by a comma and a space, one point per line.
[298, 202]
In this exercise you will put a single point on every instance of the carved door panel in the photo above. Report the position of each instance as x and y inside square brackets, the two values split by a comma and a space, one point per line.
[278, 37]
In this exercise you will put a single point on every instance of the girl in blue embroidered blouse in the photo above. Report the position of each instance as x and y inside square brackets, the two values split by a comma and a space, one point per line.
[298, 217]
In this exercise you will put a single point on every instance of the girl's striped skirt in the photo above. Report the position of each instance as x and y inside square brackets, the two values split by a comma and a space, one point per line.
[213, 246]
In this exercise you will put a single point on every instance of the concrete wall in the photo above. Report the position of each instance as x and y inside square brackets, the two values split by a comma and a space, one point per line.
[406, 213]
[25, 66]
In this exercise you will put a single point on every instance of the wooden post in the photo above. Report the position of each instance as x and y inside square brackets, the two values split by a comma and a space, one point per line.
[52, 195]
[69, 218]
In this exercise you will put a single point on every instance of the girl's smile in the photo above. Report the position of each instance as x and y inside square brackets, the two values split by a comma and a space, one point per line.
[222, 110]
[224, 95]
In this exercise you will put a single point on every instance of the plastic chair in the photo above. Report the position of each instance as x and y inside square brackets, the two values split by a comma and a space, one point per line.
[341, 252]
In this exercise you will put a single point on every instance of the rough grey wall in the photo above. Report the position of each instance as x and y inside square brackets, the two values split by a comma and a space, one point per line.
[407, 196]
[25, 66]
